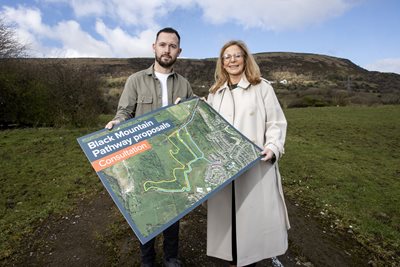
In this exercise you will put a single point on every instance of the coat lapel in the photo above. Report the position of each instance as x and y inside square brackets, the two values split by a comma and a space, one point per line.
[226, 105]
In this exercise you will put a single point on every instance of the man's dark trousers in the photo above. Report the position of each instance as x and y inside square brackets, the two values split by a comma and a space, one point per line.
[171, 244]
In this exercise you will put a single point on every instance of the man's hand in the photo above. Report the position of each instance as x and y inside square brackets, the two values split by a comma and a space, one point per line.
[177, 100]
[111, 124]
[269, 155]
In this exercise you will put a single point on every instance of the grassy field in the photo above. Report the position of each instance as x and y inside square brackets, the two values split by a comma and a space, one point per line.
[43, 172]
[342, 163]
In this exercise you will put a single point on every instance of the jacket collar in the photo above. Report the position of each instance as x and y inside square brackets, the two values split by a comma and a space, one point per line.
[243, 83]
[150, 71]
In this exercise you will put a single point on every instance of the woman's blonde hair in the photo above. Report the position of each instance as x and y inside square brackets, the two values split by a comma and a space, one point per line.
[251, 69]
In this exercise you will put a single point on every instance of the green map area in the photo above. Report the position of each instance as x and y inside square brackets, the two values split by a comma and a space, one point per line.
[184, 165]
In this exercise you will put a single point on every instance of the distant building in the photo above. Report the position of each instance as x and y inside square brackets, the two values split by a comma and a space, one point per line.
[284, 81]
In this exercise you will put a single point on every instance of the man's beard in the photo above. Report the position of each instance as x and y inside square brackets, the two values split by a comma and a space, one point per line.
[165, 64]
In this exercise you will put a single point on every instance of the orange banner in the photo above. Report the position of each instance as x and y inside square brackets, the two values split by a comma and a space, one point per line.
[121, 155]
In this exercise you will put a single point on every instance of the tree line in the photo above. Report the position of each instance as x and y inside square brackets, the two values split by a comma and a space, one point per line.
[56, 94]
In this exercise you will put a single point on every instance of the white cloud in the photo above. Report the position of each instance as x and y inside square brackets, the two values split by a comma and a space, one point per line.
[71, 40]
[82, 7]
[124, 45]
[77, 43]
[385, 65]
[88, 7]
[139, 12]
[74, 41]
[26, 18]
[128, 12]
[272, 14]
[28, 26]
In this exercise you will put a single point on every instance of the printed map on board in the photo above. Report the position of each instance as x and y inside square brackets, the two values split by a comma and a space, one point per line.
[162, 165]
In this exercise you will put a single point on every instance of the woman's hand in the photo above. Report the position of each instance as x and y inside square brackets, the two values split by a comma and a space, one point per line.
[269, 155]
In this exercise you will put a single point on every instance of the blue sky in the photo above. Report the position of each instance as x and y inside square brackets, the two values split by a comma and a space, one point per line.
[367, 32]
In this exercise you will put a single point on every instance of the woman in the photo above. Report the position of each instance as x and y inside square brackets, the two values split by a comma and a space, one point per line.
[257, 227]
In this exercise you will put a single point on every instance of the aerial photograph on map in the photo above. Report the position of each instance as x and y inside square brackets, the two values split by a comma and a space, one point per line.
[185, 164]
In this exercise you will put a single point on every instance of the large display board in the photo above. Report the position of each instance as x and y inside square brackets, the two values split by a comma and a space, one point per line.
[160, 166]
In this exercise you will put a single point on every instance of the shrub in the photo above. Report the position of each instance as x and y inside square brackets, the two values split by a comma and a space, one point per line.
[364, 99]
[22, 96]
[75, 96]
[308, 101]
[49, 95]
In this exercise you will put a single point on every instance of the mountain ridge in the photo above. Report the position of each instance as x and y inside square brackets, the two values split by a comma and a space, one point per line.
[299, 79]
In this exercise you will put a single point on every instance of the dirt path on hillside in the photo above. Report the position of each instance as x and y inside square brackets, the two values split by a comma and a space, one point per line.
[96, 234]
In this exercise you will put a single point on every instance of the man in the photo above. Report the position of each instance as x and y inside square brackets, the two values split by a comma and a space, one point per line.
[145, 91]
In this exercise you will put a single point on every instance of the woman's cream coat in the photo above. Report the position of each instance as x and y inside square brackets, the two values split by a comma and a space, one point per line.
[261, 215]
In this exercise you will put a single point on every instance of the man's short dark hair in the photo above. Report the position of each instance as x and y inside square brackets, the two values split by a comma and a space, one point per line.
[169, 30]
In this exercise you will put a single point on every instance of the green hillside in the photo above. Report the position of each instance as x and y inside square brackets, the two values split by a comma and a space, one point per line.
[299, 79]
